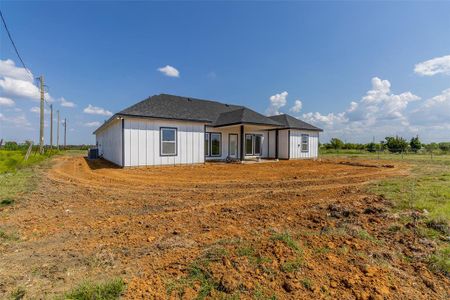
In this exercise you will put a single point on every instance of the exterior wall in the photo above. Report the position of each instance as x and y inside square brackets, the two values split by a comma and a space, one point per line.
[295, 151]
[109, 142]
[224, 147]
[283, 144]
[264, 146]
[225, 132]
[272, 143]
[142, 142]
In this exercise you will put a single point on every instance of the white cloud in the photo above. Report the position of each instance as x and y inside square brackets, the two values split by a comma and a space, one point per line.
[6, 102]
[65, 103]
[37, 110]
[94, 110]
[277, 101]
[297, 106]
[19, 121]
[169, 71]
[92, 124]
[17, 82]
[9, 69]
[380, 112]
[434, 111]
[437, 65]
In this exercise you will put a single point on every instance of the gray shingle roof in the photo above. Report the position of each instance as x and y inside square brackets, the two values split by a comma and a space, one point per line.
[294, 123]
[243, 116]
[180, 108]
[215, 113]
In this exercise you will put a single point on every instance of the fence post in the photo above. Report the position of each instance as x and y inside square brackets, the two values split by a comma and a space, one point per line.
[28, 151]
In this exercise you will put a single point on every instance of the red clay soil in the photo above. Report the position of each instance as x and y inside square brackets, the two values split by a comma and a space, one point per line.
[290, 229]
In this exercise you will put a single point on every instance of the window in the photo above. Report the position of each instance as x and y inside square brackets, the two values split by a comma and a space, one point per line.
[206, 144]
[253, 143]
[168, 141]
[258, 142]
[305, 143]
[249, 144]
[213, 143]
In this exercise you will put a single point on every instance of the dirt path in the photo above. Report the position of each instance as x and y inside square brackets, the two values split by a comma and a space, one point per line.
[95, 221]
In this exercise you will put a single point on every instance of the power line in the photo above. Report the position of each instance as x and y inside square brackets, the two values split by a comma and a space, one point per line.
[12, 42]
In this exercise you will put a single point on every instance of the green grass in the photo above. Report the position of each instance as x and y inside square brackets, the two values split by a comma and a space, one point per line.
[292, 265]
[17, 294]
[426, 189]
[440, 261]
[11, 161]
[287, 239]
[108, 290]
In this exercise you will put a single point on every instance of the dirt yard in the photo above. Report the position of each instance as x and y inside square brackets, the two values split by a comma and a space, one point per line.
[284, 230]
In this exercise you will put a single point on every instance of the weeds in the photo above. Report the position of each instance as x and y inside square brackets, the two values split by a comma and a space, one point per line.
[287, 239]
[109, 290]
[440, 261]
[9, 237]
[363, 234]
[6, 202]
[291, 266]
[306, 282]
[18, 293]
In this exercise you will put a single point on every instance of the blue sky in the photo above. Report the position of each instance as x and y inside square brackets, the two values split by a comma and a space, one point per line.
[357, 70]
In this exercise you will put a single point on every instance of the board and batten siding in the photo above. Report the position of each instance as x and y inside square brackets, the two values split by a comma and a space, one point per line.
[295, 148]
[143, 142]
[109, 142]
[283, 144]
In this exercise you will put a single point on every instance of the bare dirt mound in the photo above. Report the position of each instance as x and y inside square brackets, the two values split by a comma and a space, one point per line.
[292, 230]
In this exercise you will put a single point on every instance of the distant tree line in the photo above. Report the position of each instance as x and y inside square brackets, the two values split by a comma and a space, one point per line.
[11, 146]
[392, 144]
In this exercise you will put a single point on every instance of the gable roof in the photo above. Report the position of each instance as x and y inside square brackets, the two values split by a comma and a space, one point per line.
[215, 113]
[243, 116]
[180, 108]
[294, 123]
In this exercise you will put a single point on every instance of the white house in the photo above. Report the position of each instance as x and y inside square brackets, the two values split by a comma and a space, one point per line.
[168, 130]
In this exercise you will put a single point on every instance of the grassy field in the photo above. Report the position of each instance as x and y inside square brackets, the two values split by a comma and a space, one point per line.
[426, 191]
[19, 176]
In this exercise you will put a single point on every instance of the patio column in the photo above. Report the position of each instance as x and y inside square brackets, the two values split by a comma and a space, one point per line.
[241, 153]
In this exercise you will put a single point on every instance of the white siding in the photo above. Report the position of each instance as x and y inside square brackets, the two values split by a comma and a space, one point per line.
[109, 141]
[283, 144]
[272, 143]
[295, 149]
[225, 132]
[142, 142]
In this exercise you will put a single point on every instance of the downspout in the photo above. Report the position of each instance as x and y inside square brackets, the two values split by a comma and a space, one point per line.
[123, 142]
[276, 144]
[242, 144]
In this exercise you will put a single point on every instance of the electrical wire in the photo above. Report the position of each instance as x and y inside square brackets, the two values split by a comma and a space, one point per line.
[12, 42]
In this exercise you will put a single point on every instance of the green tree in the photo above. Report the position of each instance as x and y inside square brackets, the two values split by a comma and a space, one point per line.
[396, 144]
[336, 143]
[371, 147]
[415, 144]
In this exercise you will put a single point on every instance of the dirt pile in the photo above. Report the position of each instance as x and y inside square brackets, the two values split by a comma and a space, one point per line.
[290, 230]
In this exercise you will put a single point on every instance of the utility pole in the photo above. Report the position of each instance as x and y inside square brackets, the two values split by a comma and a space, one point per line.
[57, 132]
[65, 132]
[51, 126]
[41, 125]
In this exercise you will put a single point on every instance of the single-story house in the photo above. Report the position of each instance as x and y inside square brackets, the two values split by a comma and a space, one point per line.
[168, 130]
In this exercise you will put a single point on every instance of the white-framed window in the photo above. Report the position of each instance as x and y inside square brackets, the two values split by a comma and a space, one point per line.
[213, 144]
[253, 143]
[168, 141]
[216, 143]
[305, 142]
[206, 143]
